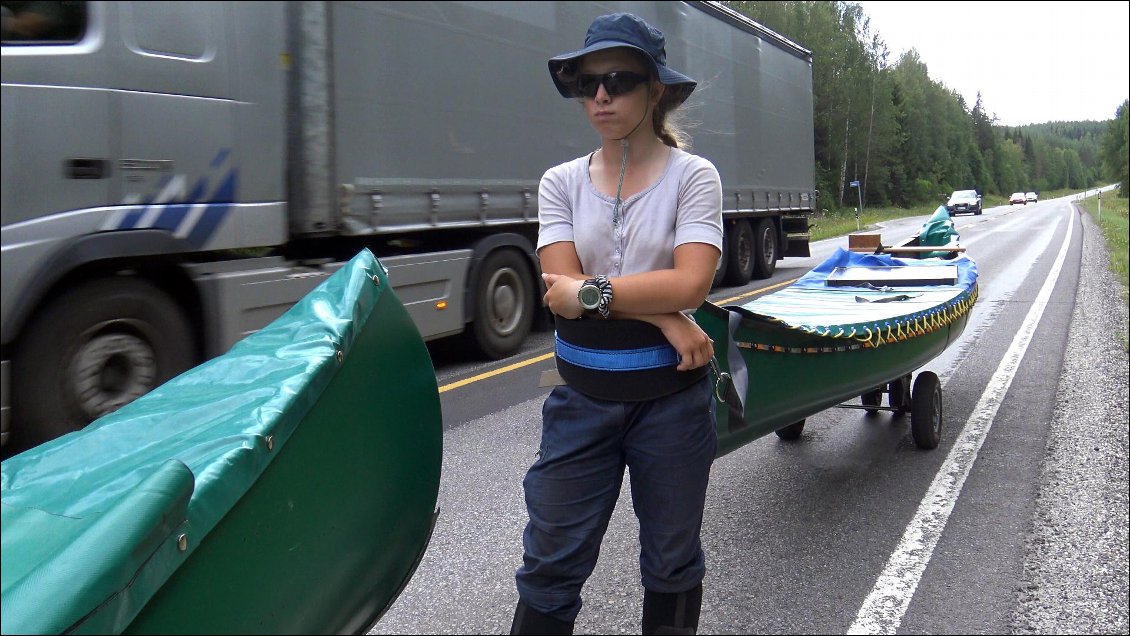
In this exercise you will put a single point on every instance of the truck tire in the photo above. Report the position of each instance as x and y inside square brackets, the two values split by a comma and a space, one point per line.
[503, 304]
[765, 249]
[92, 350]
[723, 258]
[739, 259]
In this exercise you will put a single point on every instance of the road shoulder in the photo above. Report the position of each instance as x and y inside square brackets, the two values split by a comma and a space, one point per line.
[1076, 562]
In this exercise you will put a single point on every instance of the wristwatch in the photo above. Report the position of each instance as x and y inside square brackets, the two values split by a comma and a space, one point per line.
[595, 294]
[589, 295]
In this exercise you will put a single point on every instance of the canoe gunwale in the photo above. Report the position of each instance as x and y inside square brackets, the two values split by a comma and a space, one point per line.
[865, 335]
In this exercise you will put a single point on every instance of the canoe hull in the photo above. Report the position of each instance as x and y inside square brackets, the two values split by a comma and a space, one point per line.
[793, 374]
[288, 486]
[298, 553]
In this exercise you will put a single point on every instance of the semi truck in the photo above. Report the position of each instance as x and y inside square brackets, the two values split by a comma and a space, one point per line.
[175, 175]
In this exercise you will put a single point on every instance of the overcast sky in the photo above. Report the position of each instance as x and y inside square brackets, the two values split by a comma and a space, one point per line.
[1033, 62]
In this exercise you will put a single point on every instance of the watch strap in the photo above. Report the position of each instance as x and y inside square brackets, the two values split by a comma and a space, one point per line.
[605, 286]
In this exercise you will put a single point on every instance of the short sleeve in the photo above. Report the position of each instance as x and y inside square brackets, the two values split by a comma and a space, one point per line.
[700, 205]
[555, 210]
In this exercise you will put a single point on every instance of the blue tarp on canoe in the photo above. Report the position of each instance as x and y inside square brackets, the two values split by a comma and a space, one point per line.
[811, 304]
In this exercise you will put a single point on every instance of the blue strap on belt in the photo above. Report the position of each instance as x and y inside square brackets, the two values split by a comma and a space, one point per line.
[617, 359]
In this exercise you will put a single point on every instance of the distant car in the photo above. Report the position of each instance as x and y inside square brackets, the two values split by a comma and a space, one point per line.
[1031, 197]
[1017, 197]
[967, 201]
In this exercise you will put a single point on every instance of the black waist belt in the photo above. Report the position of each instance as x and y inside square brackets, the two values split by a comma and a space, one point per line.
[622, 360]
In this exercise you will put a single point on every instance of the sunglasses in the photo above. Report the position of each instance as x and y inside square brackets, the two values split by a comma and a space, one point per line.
[615, 83]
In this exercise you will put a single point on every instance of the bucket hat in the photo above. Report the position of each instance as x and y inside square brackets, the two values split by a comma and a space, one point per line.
[629, 31]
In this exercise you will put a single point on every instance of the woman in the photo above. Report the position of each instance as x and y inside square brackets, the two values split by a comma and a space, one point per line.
[629, 239]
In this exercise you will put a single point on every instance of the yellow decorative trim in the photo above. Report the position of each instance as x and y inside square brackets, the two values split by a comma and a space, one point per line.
[868, 338]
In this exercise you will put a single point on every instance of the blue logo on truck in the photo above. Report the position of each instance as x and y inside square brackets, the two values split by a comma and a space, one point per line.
[194, 216]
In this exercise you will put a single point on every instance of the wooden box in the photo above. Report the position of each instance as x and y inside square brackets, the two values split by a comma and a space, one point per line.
[868, 241]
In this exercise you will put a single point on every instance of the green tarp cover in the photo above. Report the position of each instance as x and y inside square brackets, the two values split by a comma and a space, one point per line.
[91, 520]
[938, 230]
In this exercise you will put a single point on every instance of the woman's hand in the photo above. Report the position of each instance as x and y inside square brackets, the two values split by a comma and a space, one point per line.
[694, 346]
[561, 295]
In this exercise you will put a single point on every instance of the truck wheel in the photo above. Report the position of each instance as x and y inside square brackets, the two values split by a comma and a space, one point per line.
[92, 350]
[739, 261]
[720, 272]
[504, 304]
[765, 247]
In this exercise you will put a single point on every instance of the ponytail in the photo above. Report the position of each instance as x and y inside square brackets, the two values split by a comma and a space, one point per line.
[665, 121]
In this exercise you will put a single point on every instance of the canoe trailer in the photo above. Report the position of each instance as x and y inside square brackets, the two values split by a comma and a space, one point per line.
[861, 324]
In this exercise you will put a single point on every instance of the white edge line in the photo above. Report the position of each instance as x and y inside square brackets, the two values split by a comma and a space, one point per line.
[883, 609]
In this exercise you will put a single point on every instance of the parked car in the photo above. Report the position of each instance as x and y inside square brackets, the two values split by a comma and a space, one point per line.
[1031, 197]
[1017, 197]
[964, 201]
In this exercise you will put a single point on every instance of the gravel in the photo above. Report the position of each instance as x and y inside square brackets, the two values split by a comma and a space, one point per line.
[1076, 565]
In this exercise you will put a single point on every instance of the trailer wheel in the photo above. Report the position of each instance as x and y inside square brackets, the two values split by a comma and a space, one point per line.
[765, 246]
[504, 304]
[873, 397]
[791, 432]
[92, 350]
[899, 395]
[739, 260]
[926, 411]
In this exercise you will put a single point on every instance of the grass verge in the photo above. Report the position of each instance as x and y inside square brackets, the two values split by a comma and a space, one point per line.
[839, 224]
[1113, 221]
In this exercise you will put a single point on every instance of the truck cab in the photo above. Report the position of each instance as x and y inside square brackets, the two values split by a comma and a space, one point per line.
[122, 138]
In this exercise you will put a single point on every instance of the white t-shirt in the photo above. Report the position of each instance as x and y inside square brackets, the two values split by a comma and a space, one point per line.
[683, 206]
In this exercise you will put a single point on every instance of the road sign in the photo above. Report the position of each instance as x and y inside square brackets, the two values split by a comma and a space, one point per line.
[854, 184]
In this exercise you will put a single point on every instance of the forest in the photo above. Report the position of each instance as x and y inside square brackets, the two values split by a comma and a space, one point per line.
[909, 139]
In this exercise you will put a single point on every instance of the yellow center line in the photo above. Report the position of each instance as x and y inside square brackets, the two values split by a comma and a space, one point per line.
[546, 356]
[491, 374]
[756, 291]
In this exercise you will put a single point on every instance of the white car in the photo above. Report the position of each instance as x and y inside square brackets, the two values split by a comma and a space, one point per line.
[964, 201]
[1017, 197]
[1031, 197]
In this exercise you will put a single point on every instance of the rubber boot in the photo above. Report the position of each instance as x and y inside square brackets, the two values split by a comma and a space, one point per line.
[671, 613]
[528, 620]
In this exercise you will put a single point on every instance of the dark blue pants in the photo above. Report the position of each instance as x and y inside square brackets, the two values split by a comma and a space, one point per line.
[668, 444]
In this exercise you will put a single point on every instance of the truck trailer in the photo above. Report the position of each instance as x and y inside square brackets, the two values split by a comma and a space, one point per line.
[175, 175]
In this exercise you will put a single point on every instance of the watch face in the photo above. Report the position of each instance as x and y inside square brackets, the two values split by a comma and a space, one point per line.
[589, 295]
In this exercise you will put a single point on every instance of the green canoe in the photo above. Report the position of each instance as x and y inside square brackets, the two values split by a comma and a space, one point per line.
[856, 326]
[288, 486]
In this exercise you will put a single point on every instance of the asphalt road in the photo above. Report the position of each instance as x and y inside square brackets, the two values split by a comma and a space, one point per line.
[1017, 522]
